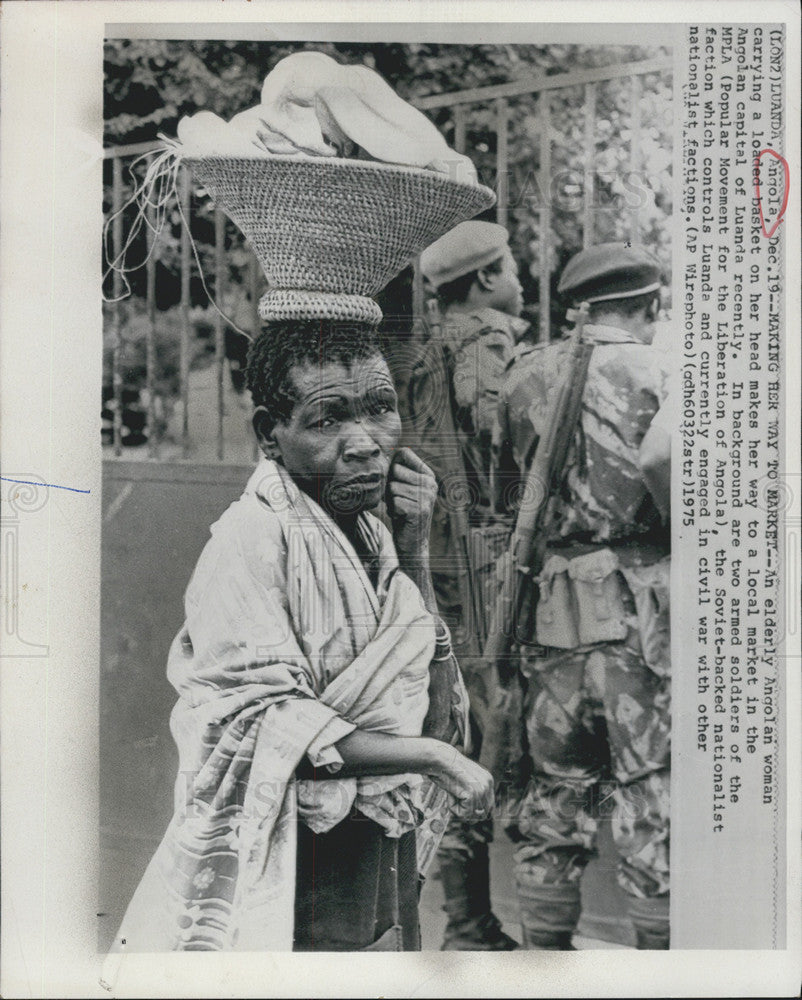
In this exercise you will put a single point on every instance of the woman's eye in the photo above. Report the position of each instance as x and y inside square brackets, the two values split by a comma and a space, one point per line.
[381, 406]
[323, 423]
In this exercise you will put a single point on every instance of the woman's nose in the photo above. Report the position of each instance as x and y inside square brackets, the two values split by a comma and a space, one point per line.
[358, 442]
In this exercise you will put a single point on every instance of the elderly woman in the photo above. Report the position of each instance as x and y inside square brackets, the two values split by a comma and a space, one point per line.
[318, 697]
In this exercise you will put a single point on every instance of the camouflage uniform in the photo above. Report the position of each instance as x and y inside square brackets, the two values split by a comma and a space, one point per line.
[598, 703]
[478, 348]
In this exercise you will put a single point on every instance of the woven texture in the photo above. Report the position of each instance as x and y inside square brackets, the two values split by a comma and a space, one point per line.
[297, 303]
[345, 227]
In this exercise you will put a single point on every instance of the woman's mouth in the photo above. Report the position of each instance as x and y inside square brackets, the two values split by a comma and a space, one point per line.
[372, 479]
[353, 494]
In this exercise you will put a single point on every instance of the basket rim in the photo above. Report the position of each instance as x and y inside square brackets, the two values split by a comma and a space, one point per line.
[343, 163]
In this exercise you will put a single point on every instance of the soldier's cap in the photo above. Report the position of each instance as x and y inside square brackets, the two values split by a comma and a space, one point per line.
[609, 271]
[465, 248]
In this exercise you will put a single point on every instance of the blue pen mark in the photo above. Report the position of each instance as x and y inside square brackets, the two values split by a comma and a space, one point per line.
[51, 486]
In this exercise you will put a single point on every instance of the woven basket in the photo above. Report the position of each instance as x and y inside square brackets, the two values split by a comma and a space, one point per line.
[331, 233]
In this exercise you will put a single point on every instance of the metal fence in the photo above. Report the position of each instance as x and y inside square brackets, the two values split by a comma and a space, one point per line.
[120, 191]
[544, 90]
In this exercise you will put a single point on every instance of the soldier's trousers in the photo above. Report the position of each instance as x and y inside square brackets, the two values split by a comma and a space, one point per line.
[464, 847]
[597, 720]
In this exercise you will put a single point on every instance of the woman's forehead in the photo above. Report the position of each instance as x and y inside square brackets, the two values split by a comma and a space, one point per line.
[351, 378]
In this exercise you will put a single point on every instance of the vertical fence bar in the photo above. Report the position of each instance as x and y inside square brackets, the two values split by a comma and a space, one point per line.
[184, 193]
[255, 276]
[117, 345]
[635, 156]
[460, 118]
[219, 333]
[502, 161]
[544, 107]
[588, 183]
[150, 334]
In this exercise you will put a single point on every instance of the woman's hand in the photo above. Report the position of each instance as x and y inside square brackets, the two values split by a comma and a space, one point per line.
[467, 782]
[410, 497]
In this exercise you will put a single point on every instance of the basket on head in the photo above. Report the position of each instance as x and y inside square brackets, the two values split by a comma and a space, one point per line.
[331, 233]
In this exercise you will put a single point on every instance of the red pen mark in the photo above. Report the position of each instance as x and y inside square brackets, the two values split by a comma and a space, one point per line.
[787, 178]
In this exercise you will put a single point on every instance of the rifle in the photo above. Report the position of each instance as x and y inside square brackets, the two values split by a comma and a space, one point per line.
[513, 618]
[457, 514]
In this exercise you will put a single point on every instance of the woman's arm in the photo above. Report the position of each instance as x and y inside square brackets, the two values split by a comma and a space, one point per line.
[417, 569]
[411, 494]
[365, 754]
[371, 753]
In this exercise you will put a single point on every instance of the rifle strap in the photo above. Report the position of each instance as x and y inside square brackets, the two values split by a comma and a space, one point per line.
[438, 351]
[574, 410]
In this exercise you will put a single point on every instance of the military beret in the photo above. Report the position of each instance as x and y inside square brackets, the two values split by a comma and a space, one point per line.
[463, 249]
[609, 271]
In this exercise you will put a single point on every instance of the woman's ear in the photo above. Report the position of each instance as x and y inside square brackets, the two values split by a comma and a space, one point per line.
[263, 428]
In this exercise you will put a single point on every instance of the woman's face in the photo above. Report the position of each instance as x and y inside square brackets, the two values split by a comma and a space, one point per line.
[341, 435]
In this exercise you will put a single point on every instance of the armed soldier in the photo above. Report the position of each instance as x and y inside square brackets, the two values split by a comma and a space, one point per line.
[597, 685]
[453, 394]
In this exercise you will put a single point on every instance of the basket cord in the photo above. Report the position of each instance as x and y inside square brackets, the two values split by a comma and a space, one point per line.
[161, 179]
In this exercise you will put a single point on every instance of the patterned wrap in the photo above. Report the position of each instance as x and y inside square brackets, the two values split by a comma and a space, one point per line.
[596, 714]
[287, 647]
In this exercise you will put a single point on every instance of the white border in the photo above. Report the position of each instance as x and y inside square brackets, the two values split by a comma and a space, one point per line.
[51, 132]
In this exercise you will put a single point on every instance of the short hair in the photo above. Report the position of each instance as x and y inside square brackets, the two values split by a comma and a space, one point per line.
[458, 289]
[630, 306]
[282, 346]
